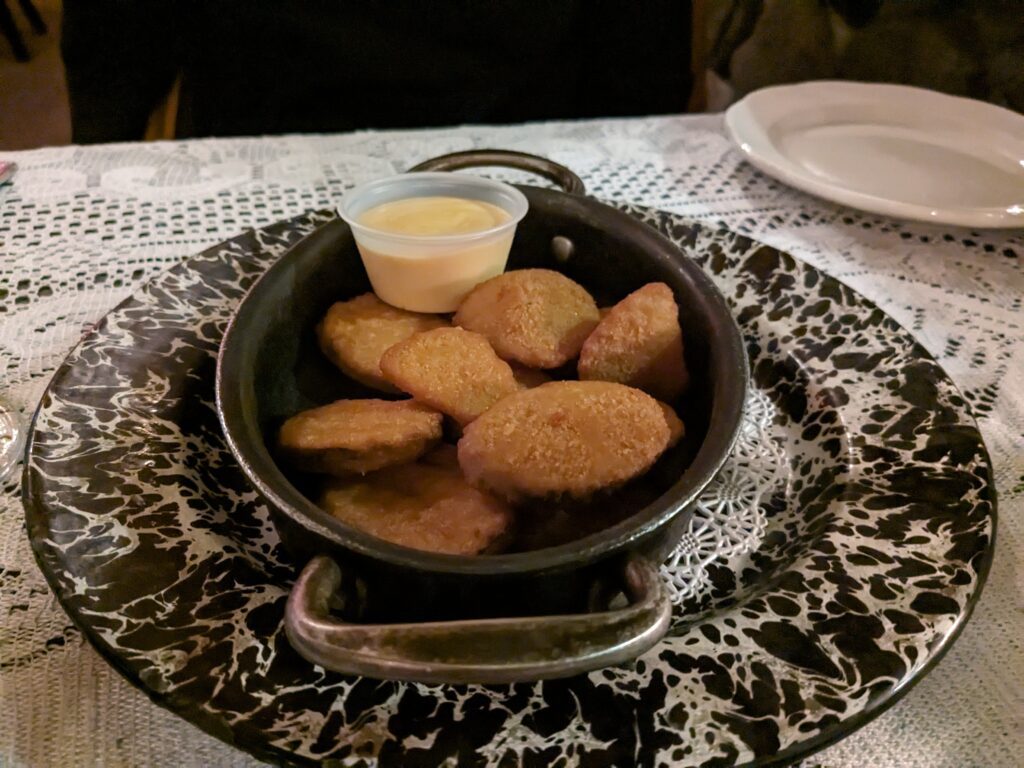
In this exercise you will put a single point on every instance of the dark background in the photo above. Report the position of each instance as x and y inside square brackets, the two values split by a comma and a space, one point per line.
[324, 65]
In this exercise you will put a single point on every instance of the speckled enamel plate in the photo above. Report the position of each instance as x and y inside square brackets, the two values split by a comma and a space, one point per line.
[873, 557]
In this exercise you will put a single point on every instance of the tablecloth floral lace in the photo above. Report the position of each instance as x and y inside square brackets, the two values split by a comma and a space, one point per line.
[81, 227]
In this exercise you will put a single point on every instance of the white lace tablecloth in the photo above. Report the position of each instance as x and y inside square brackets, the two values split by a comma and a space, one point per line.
[81, 227]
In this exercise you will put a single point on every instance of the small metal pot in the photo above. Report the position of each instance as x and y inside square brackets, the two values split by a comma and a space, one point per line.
[416, 615]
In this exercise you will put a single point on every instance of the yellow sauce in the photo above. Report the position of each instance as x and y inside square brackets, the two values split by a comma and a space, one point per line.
[425, 254]
[434, 216]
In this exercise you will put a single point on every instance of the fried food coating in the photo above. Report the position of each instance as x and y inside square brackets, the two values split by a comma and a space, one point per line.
[528, 378]
[564, 437]
[429, 507]
[450, 369]
[676, 429]
[639, 343]
[536, 317]
[359, 436]
[355, 333]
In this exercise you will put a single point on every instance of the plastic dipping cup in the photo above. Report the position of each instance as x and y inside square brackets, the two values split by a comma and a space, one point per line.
[432, 273]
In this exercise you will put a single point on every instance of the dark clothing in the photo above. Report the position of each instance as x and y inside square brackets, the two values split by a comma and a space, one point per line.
[120, 59]
[276, 67]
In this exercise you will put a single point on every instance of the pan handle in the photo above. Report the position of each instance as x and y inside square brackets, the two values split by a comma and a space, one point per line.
[505, 158]
[480, 650]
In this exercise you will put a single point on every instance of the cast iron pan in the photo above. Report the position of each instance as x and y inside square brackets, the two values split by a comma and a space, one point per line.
[399, 613]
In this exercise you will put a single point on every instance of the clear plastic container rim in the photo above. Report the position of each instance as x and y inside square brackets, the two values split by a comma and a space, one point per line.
[429, 184]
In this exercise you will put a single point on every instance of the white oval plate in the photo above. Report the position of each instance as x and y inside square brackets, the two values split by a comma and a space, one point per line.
[889, 149]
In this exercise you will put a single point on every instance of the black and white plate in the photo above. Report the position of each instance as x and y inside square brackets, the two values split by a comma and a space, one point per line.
[873, 556]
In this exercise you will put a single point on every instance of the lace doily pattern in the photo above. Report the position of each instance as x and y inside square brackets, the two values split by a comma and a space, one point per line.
[729, 518]
[862, 575]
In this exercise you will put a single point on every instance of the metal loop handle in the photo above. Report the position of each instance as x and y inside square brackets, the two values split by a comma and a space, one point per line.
[521, 161]
[475, 651]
